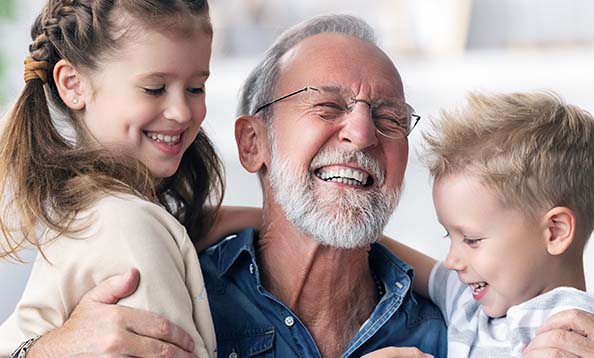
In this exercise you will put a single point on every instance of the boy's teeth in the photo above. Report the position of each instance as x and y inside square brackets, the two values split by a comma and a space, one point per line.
[477, 287]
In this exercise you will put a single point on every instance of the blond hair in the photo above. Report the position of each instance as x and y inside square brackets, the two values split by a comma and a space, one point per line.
[46, 179]
[535, 150]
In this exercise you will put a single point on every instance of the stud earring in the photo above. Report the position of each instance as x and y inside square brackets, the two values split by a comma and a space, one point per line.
[75, 101]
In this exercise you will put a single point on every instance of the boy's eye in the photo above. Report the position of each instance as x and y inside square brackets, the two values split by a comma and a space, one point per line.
[154, 91]
[472, 242]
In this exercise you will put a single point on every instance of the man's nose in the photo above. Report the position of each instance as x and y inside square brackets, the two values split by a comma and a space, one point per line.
[178, 108]
[358, 127]
[453, 260]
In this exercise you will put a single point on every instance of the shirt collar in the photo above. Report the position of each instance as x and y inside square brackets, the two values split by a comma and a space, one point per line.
[233, 246]
[395, 274]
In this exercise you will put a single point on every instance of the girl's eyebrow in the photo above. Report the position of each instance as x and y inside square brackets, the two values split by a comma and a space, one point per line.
[162, 75]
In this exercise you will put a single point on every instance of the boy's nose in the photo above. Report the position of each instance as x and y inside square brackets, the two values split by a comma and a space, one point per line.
[453, 260]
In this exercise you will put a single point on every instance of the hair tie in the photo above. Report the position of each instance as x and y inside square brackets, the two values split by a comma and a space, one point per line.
[35, 69]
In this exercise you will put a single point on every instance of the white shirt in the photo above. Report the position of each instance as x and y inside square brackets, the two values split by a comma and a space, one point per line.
[471, 333]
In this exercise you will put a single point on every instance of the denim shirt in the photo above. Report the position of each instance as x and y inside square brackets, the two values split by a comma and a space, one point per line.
[251, 322]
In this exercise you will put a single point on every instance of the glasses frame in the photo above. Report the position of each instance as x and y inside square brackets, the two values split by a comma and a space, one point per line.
[414, 118]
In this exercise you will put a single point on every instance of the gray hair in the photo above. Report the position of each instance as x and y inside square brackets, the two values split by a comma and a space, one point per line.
[258, 88]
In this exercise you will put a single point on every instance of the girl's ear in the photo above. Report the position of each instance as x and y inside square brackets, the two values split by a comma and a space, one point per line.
[560, 229]
[251, 135]
[70, 85]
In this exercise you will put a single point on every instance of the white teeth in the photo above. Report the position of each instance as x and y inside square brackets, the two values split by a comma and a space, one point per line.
[477, 287]
[169, 139]
[344, 175]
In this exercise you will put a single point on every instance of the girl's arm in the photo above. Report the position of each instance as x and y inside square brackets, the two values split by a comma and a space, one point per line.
[229, 220]
[124, 232]
[422, 263]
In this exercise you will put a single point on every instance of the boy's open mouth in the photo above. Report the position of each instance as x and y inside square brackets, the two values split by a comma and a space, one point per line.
[478, 287]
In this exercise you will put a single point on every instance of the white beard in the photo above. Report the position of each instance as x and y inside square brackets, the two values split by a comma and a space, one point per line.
[343, 217]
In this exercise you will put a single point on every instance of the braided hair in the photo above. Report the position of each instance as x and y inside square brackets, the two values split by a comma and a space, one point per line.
[47, 178]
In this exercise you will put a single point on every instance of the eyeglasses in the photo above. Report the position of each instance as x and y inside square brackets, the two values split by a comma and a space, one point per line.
[392, 117]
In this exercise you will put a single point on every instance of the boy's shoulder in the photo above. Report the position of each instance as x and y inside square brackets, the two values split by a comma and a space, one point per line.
[556, 300]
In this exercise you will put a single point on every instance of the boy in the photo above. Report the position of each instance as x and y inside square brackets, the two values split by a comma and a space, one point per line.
[513, 189]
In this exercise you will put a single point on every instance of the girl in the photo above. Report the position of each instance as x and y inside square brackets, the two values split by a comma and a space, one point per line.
[119, 175]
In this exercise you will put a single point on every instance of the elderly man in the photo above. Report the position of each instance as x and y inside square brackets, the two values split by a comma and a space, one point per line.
[324, 123]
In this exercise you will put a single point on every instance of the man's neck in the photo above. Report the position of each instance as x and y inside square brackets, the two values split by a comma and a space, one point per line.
[331, 290]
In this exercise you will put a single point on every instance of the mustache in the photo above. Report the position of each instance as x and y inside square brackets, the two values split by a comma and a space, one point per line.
[331, 156]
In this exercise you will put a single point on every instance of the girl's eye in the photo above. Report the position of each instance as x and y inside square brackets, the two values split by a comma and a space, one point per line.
[154, 91]
[195, 90]
[446, 235]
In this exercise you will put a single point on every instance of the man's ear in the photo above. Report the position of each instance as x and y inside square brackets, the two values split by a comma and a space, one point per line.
[251, 135]
[560, 229]
[70, 85]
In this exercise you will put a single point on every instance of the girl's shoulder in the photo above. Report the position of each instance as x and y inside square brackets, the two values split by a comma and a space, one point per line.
[129, 210]
[122, 220]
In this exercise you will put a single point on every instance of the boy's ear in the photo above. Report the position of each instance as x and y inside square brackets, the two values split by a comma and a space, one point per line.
[560, 229]
[251, 135]
[70, 85]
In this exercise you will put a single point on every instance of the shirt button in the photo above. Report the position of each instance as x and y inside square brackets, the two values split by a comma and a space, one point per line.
[289, 321]
[252, 272]
[233, 355]
[399, 285]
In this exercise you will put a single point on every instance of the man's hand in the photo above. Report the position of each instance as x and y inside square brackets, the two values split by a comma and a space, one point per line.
[397, 352]
[567, 334]
[99, 328]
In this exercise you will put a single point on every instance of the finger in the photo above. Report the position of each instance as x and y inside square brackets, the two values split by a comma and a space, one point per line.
[133, 345]
[86, 355]
[549, 353]
[570, 320]
[560, 340]
[114, 288]
[152, 325]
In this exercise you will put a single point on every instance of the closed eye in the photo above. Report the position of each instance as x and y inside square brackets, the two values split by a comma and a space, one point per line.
[195, 90]
[472, 242]
[154, 91]
[329, 105]
[329, 111]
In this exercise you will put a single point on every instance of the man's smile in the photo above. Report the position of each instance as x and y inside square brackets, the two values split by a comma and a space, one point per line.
[345, 175]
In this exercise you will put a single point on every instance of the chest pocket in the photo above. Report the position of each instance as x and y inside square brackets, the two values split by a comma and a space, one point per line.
[256, 343]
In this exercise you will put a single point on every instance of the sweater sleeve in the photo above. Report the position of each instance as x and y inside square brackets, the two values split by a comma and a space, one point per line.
[123, 232]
